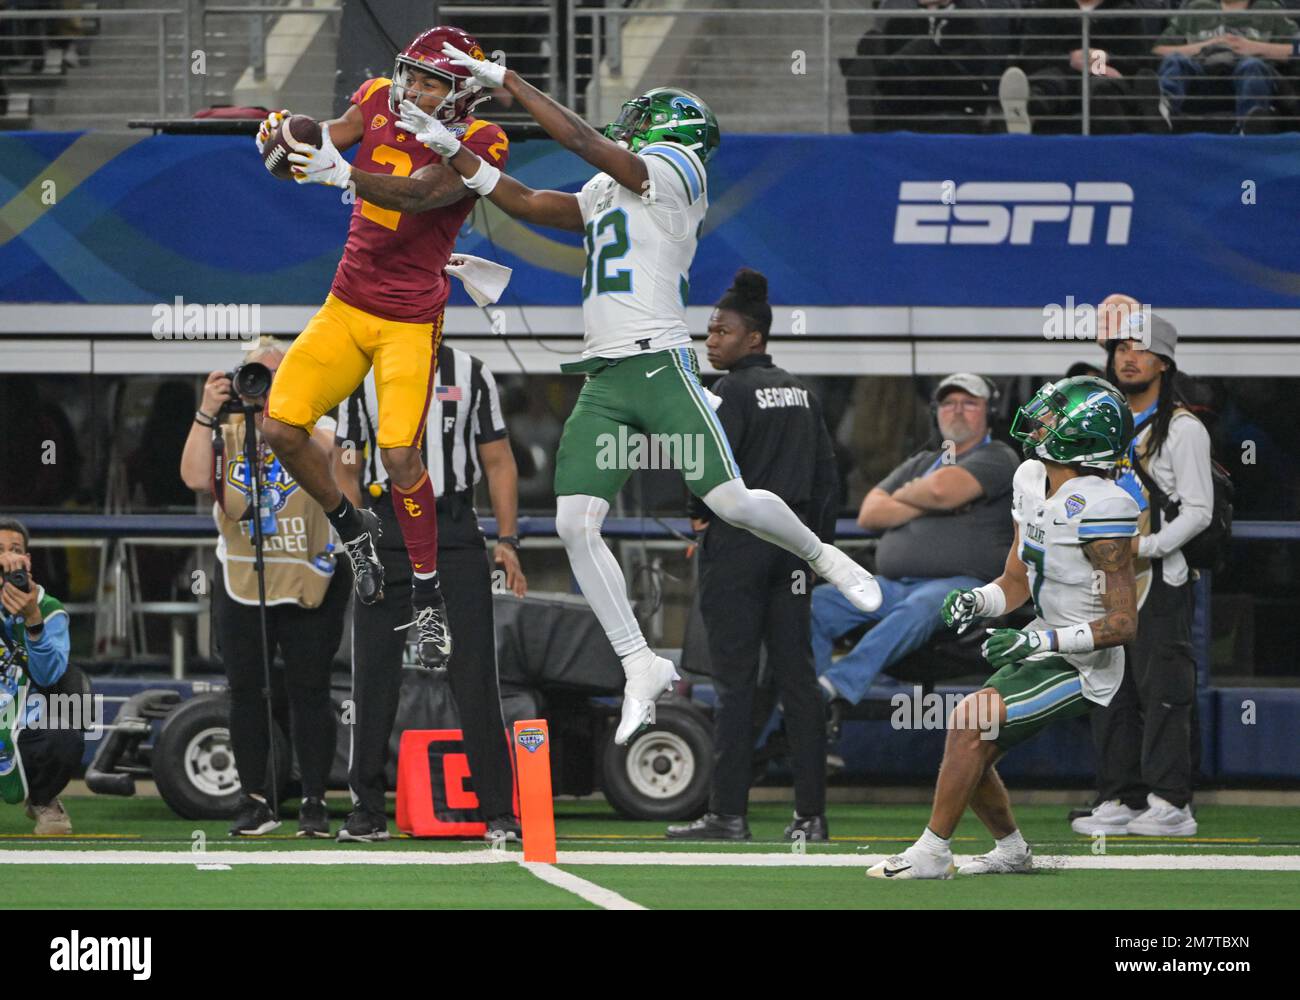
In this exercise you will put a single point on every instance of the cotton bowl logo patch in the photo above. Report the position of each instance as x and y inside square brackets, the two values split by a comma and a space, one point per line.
[531, 738]
[1074, 503]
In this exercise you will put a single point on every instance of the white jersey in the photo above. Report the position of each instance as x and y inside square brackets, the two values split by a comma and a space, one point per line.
[1062, 583]
[639, 253]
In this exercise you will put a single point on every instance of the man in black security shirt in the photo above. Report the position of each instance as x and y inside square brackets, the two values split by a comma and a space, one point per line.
[752, 593]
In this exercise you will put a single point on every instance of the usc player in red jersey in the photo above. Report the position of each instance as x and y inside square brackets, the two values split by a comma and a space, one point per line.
[385, 308]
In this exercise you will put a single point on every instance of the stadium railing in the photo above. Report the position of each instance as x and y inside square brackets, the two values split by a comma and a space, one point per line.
[54, 530]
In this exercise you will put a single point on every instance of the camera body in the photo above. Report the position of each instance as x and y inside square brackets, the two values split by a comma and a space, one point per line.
[252, 378]
[18, 578]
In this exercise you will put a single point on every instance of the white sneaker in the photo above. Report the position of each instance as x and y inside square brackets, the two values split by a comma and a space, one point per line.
[639, 694]
[914, 863]
[1163, 819]
[999, 862]
[850, 579]
[1111, 818]
[1013, 95]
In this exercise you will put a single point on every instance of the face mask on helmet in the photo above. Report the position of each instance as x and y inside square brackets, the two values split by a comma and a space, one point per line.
[632, 119]
[459, 102]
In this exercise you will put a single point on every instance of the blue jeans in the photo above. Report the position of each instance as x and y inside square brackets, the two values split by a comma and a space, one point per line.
[906, 619]
[1253, 81]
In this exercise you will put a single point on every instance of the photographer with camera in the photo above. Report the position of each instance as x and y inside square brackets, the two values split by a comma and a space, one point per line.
[38, 757]
[306, 590]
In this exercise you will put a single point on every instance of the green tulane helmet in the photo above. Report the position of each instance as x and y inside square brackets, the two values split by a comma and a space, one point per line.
[667, 114]
[1077, 421]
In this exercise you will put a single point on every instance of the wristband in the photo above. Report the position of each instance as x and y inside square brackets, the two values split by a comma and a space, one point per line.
[203, 420]
[993, 601]
[1073, 639]
[483, 182]
[511, 540]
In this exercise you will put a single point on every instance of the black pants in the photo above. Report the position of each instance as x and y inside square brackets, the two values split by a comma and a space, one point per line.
[1143, 737]
[750, 597]
[307, 641]
[377, 675]
[1058, 94]
[919, 82]
[50, 760]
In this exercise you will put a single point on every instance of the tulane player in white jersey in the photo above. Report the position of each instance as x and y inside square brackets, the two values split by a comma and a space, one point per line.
[640, 218]
[1072, 557]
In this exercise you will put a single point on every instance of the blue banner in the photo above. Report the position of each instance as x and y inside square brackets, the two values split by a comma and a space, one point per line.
[879, 220]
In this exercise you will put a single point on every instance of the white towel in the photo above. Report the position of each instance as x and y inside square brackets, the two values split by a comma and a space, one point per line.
[485, 280]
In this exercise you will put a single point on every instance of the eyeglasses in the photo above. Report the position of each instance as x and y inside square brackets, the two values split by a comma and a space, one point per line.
[963, 404]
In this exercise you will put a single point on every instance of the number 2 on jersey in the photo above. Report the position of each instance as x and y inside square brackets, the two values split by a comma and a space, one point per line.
[401, 164]
[597, 272]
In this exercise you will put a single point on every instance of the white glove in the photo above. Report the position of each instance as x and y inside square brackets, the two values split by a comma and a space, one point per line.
[486, 72]
[428, 130]
[270, 125]
[319, 166]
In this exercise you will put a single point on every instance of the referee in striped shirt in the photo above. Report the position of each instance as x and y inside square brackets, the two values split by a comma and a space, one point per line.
[465, 439]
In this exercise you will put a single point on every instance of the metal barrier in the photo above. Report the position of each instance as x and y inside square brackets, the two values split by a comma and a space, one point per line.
[829, 67]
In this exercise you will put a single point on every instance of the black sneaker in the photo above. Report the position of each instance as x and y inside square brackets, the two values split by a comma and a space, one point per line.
[503, 828]
[433, 647]
[363, 827]
[254, 819]
[711, 826]
[813, 828]
[313, 818]
[367, 570]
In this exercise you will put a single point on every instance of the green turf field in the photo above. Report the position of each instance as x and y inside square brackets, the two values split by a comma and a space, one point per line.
[135, 853]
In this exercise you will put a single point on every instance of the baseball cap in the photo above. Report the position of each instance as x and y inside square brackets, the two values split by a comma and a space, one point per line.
[976, 385]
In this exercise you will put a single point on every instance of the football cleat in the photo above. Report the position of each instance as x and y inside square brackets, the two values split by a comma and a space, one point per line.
[639, 694]
[914, 863]
[367, 570]
[999, 862]
[433, 647]
[850, 579]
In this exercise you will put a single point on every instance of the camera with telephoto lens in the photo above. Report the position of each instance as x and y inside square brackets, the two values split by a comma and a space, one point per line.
[19, 579]
[251, 379]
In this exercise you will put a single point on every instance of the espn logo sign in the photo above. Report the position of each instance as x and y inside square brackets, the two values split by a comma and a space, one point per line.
[980, 212]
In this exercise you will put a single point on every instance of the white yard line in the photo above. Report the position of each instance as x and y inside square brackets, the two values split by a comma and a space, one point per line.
[606, 899]
[783, 859]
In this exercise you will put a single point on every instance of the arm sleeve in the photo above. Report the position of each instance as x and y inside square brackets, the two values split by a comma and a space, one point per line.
[489, 422]
[47, 656]
[1189, 446]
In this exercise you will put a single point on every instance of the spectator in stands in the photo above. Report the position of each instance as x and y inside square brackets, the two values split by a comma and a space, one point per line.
[1044, 90]
[946, 523]
[1143, 737]
[41, 760]
[306, 595]
[1200, 48]
[933, 71]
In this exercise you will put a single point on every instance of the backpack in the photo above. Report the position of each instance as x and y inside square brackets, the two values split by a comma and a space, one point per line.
[1207, 550]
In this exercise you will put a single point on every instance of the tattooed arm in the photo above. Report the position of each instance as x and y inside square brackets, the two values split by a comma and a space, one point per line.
[1114, 558]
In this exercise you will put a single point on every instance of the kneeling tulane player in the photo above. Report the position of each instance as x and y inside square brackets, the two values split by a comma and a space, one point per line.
[1072, 556]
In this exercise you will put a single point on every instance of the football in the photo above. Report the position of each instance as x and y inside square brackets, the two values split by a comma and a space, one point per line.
[276, 153]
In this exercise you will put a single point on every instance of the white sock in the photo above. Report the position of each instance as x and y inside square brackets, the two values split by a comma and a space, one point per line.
[1012, 843]
[933, 843]
[578, 520]
[764, 514]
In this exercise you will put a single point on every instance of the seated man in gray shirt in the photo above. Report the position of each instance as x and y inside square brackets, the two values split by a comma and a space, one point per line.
[947, 524]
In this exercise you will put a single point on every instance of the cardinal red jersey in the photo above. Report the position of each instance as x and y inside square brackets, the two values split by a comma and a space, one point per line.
[393, 263]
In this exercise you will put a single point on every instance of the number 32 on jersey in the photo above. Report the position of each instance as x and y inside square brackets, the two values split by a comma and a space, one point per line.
[606, 241]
